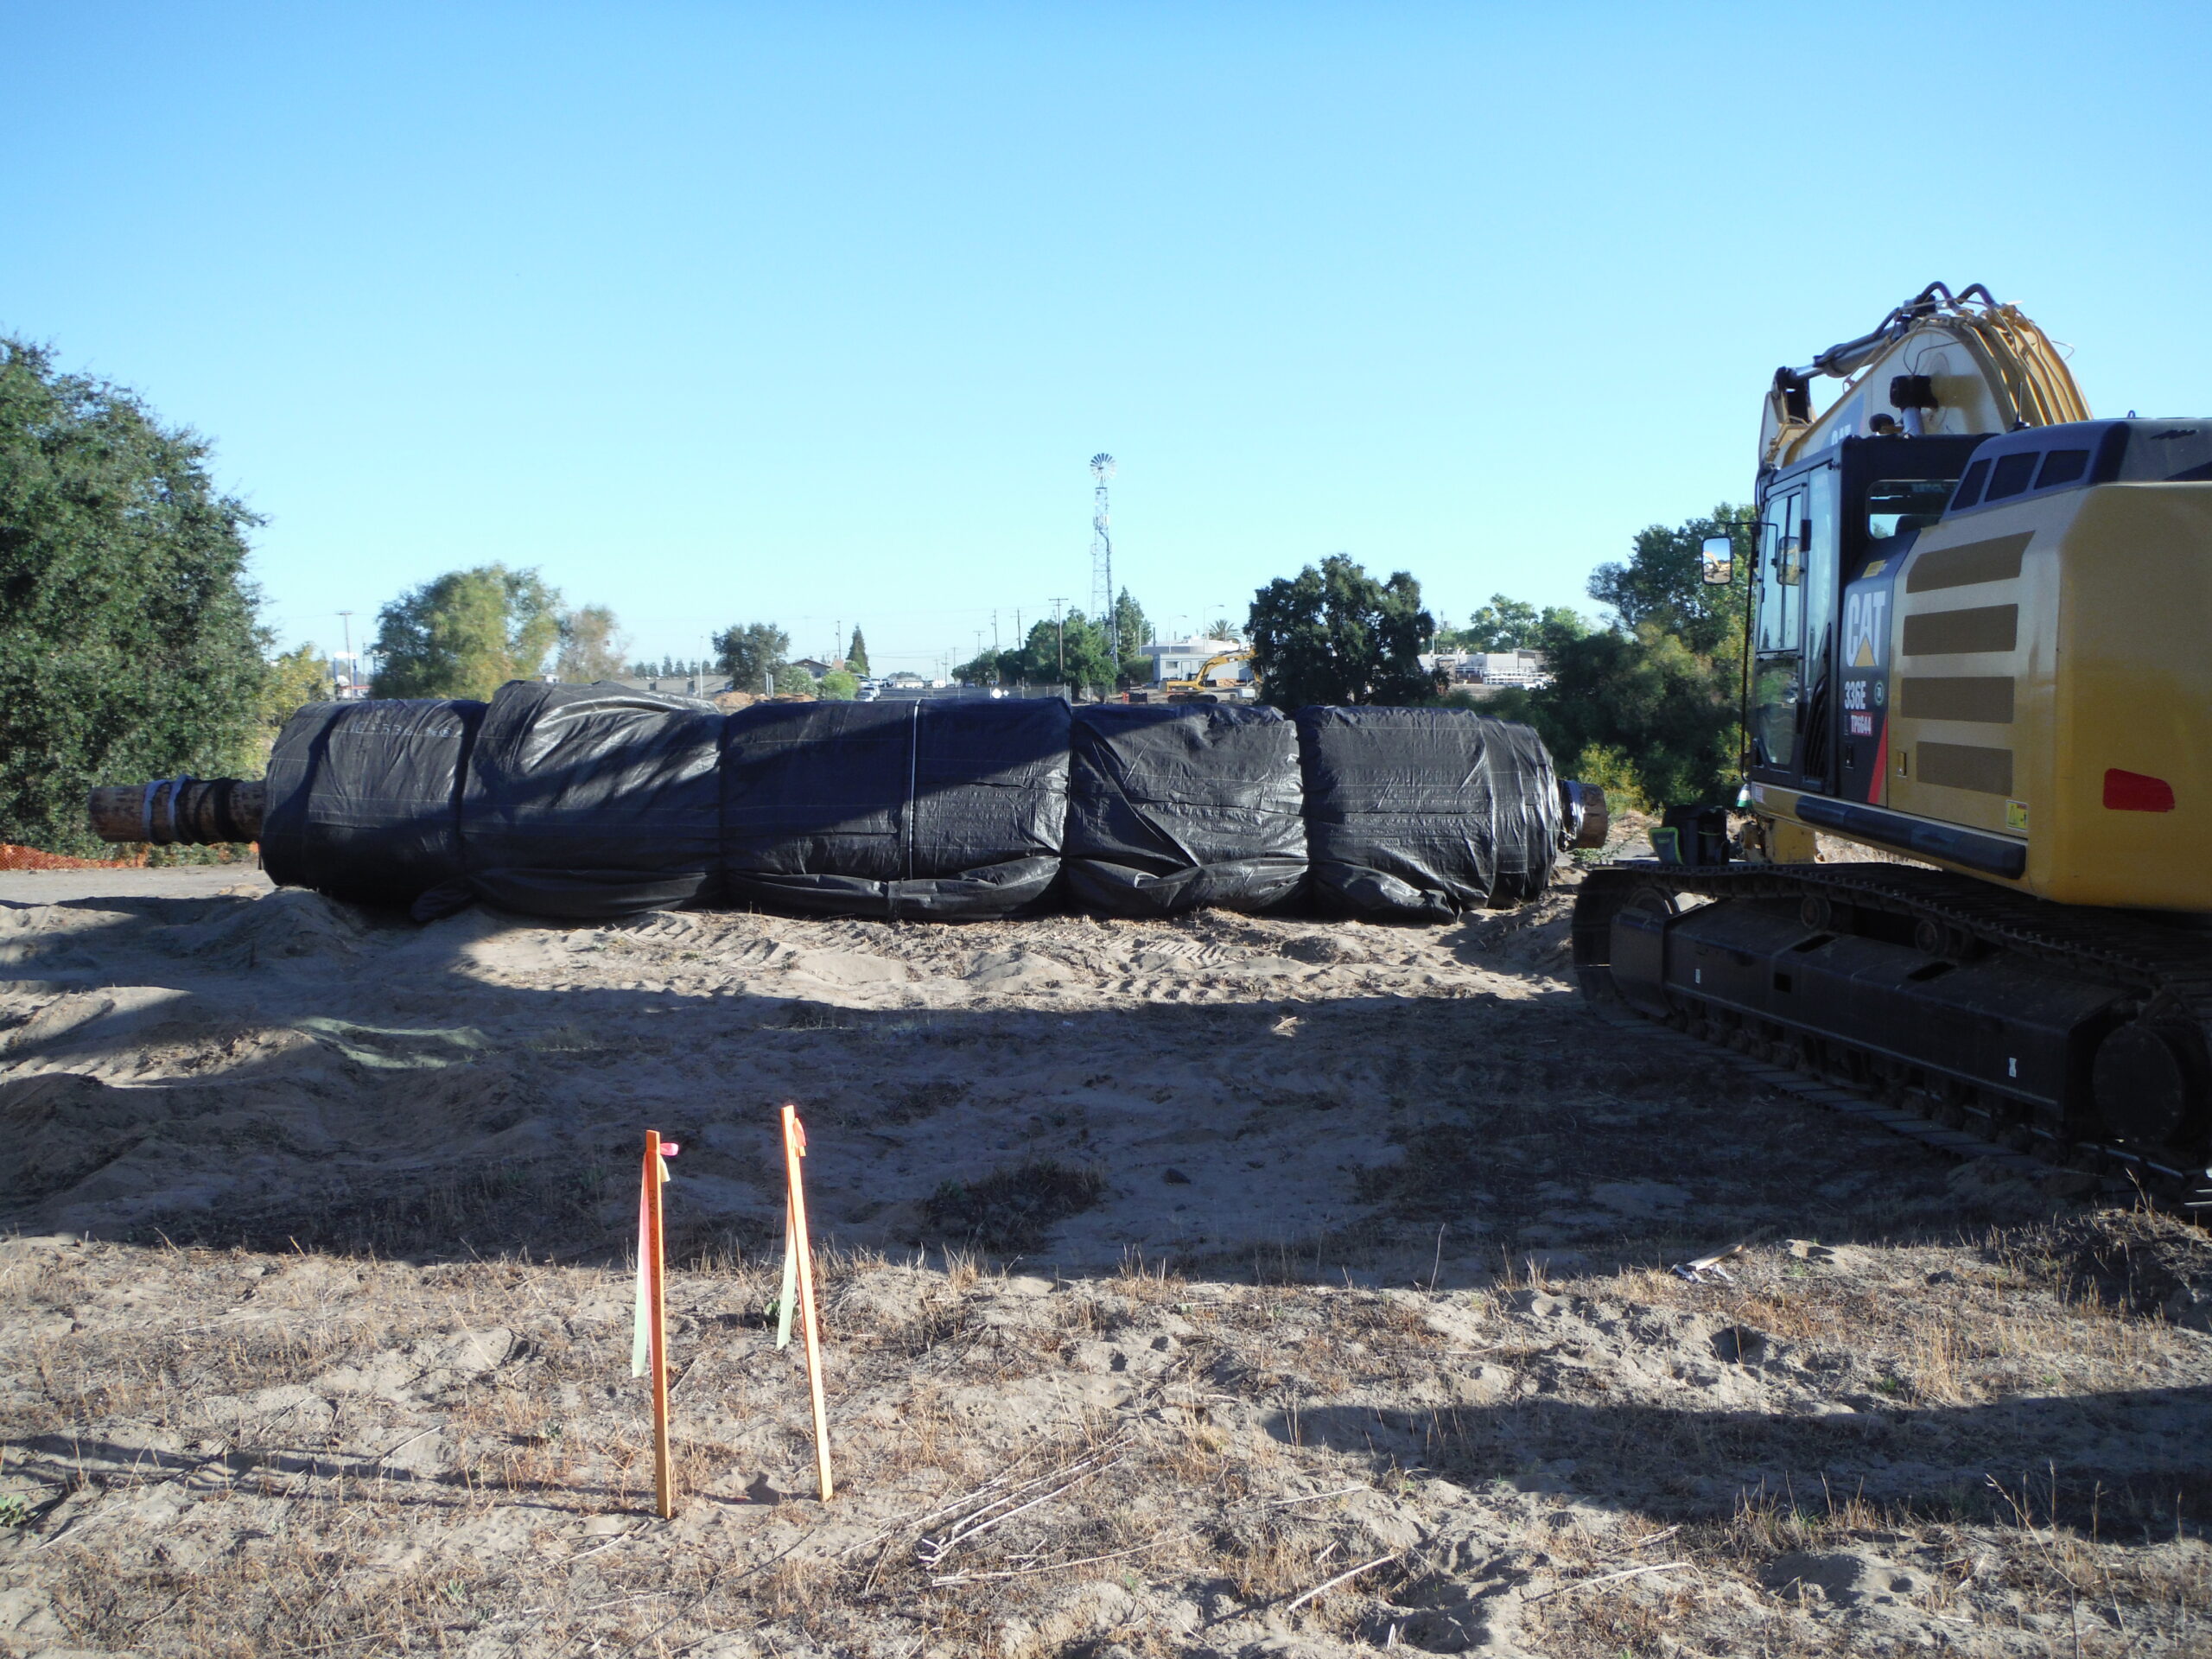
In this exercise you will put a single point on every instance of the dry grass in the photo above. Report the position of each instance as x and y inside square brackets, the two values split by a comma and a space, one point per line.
[219, 1452]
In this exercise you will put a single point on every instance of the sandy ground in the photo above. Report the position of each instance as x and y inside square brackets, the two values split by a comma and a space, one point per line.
[1256, 1252]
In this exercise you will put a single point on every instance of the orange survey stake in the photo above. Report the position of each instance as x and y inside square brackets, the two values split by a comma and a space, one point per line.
[801, 1252]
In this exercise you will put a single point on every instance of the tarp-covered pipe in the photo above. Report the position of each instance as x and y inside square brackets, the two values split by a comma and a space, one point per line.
[586, 802]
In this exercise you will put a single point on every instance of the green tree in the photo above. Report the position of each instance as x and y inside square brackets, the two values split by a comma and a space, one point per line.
[1222, 628]
[1656, 698]
[128, 648]
[838, 685]
[986, 669]
[1135, 631]
[467, 633]
[856, 654]
[1336, 635]
[1509, 624]
[1504, 624]
[1082, 646]
[295, 679]
[750, 653]
[1668, 712]
[1661, 581]
[591, 643]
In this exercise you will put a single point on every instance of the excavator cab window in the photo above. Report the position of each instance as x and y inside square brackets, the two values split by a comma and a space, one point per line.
[1897, 506]
[1778, 672]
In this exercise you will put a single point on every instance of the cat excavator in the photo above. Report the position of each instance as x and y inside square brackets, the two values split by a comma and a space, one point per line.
[1978, 653]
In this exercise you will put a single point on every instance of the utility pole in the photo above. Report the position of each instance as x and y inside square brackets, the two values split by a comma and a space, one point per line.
[1060, 636]
[352, 674]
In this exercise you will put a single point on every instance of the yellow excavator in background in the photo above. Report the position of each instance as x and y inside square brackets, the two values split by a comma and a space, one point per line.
[1979, 640]
[1201, 687]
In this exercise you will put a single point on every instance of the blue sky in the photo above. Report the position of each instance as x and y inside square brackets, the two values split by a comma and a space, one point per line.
[816, 315]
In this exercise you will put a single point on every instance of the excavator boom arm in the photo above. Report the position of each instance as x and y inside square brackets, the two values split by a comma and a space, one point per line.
[1940, 363]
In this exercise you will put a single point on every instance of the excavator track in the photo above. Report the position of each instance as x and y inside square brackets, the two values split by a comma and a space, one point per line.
[2146, 967]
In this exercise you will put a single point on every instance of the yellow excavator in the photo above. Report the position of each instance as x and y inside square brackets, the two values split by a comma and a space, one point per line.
[1979, 643]
[1201, 687]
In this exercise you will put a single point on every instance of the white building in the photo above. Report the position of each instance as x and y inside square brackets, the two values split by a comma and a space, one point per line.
[1180, 659]
[1508, 668]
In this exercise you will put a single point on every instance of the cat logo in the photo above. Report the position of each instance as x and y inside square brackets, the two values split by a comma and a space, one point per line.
[1862, 629]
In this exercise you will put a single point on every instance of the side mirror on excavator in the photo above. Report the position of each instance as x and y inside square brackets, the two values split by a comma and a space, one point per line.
[1717, 560]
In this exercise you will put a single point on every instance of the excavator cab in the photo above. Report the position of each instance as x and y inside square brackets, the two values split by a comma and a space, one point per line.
[1846, 516]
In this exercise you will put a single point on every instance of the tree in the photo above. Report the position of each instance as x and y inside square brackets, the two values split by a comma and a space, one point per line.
[983, 668]
[1657, 697]
[1072, 651]
[591, 643]
[1081, 645]
[838, 685]
[128, 649]
[1135, 631]
[1661, 581]
[750, 653]
[1504, 624]
[467, 633]
[1642, 699]
[1222, 628]
[1337, 635]
[856, 654]
[295, 679]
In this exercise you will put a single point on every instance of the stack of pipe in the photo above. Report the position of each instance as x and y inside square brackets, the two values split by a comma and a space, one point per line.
[584, 802]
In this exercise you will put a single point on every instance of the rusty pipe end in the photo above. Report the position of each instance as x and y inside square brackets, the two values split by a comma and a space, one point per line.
[187, 811]
[1585, 819]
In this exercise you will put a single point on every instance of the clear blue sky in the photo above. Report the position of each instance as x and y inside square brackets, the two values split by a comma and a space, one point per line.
[815, 313]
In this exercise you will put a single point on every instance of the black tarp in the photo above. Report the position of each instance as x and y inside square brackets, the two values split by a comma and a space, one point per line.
[1419, 814]
[590, 801]
[949, 811]
[1175, 808]
[363, 799]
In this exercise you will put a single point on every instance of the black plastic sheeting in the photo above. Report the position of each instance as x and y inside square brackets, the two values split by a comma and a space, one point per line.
[1176, 808]
[1419, 814]
[363, 799]
[950, 811]
[591, 801]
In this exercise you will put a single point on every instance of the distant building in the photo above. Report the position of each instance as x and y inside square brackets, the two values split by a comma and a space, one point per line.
[685, 685]
[1524, 668]
[815, 666]
[1180, 659]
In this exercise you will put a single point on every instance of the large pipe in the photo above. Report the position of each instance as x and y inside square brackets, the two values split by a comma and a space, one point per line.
[200, 811]
[1585, 819]
[188, 811]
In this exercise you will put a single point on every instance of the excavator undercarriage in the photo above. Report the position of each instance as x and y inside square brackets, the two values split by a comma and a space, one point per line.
[2079, 1035]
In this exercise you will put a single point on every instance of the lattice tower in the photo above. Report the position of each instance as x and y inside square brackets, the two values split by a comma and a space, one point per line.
[1102, 555]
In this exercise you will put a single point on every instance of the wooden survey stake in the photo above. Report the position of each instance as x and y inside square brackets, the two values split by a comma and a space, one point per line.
[800, 1254]
[649, 1343]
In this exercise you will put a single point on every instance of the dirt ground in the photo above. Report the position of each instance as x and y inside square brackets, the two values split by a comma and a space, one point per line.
[1224, 1287]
